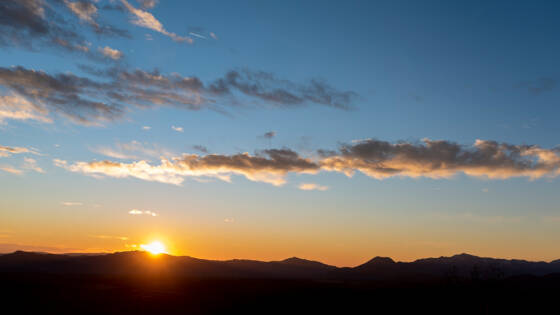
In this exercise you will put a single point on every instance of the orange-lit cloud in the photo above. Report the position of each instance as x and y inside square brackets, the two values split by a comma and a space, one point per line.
[17, 107]
[6, 151]
[443, 159]
[311, 186]
[109, 52]
[10, 169]
[377, 159]
[271, 167]
[146, 19]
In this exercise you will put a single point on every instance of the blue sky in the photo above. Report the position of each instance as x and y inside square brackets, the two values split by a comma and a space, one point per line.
[440, 70]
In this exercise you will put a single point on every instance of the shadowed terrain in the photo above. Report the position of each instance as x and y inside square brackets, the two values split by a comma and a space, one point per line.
[138, 282]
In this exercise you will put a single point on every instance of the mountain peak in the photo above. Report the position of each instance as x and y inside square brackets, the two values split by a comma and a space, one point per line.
[378, 260]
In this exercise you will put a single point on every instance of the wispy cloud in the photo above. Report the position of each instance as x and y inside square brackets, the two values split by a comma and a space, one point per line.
[140, 212]
[146, 127]
[31, 23]
[311, 186]
[31, 164]
[122, 238]
[90, 102]
[6, 151]
[133, 150]
[538, 86]
[148, 4]
[10, 169]
[146, 19]
[71, 204]
[178, 129]
[269, 135]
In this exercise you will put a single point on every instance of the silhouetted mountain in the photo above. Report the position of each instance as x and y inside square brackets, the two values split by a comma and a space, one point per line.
[139, 283]
[379, 268]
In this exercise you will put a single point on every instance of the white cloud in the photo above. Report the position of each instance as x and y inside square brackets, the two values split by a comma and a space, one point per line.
[146, 127]
[311, 186]
[71, 204]
[110, 52]
[178, 129]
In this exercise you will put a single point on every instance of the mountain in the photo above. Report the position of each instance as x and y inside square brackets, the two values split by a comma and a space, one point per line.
[379, 268]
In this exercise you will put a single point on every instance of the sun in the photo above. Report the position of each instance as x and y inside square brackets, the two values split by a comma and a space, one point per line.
[154, 248]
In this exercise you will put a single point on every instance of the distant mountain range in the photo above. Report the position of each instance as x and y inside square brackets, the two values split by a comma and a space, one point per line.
[378, 268]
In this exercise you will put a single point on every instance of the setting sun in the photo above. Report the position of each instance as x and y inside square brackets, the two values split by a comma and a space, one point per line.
[154, 248]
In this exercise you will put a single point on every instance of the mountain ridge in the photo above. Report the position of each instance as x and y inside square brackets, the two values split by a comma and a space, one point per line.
[377, 268]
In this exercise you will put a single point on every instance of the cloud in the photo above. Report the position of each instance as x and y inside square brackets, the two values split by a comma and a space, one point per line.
[10, 169]
[18, 108]
[146, 127]
[266, 87]
[110, 52]
[269, 135]
[6, 151]
[443, 159]
[538, 86]
[132, 150]
[200, 148]
[90, 102]
[178, 129]
[271, 166]
[139, 212]
[65, 93]
[31, 164]
[122, 238]
[31, 23]
[71, 204]
[213, 35]
[148, 4]
[375, 158]
[85, 11]
[146, 19]
[311, 186]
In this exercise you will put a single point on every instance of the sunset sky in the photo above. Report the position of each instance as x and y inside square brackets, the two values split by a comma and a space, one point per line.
[328, 130]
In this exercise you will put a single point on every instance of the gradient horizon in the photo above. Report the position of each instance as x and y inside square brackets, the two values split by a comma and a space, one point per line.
[438, 70]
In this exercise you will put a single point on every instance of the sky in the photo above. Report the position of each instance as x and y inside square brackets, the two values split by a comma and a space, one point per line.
[328, 130]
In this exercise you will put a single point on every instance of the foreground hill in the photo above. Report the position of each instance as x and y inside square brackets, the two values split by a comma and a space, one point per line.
[138, 283]
[461, 266]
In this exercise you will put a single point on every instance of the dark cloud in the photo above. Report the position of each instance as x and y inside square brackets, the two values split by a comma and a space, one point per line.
[269, 135]
[34, 23]
[147, 4]
[266, 87]
[200, 148]
[540, 85]
[439, 159]
[70, 95]
[375, 158]
[91, 101]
